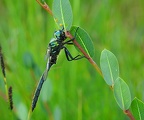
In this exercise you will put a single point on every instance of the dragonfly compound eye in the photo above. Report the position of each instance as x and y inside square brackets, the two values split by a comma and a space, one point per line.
[57, 34]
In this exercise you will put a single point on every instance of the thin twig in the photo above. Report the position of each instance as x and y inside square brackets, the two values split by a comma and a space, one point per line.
[45, 6]
[129, 114]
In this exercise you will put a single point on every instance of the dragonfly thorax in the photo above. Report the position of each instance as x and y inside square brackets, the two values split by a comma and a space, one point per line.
[54, 47]
[53, 43]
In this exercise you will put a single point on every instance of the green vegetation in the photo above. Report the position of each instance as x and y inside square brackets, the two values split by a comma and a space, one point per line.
[73, 90]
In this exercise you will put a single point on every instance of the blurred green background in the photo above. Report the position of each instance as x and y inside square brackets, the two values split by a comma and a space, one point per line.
[73, 90]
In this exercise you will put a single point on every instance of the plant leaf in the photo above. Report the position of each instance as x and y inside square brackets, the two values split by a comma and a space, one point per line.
[122, 94]
[137, 107]
[83, 39]
[109, 66]
[62, 13]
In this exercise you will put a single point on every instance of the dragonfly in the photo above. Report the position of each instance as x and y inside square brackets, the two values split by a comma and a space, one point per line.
[55, 45]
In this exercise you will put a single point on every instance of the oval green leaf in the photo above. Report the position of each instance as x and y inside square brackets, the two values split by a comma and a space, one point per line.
[83, 39]
[122, 94]
[62, 12]
[109, 66]
[137, 107]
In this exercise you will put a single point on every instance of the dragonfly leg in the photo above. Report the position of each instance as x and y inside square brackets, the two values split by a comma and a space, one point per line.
[70, 57]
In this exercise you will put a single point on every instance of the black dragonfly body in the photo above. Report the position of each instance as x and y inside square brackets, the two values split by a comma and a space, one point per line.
[55, 46]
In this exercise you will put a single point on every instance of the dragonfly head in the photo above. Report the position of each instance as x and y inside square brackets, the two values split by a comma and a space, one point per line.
[60, 35]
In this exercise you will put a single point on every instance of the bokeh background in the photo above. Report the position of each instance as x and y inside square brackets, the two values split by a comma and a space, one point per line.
[73, 90]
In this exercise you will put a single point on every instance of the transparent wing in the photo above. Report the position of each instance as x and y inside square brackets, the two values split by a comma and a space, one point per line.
[47, 56]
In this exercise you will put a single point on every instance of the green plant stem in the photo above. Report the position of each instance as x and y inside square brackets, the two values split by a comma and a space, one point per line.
[80, 104]
[6, 87]
[29, 114]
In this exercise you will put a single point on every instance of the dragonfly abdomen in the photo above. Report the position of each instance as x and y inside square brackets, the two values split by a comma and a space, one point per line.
[37, 92]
